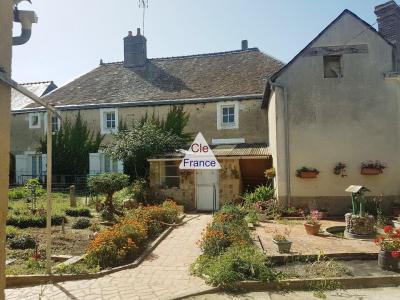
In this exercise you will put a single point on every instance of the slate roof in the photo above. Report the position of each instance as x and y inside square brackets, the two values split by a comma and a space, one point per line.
[19, 101]
[233, 73]
[238, 150]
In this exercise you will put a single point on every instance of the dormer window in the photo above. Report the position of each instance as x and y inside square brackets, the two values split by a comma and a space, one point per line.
[227, 115]
[108, 120]
[333, 66]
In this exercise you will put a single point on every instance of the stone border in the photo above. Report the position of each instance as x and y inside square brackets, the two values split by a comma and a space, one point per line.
[27, 280]
[305, 284]
[281, 259]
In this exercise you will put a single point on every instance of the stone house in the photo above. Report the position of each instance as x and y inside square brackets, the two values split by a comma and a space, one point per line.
[337, 101]
[222, 92]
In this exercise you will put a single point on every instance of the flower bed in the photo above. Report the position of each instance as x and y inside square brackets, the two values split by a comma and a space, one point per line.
[228, 253]
[127, 239]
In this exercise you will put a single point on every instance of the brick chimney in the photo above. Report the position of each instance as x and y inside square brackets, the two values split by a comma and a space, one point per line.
[135, 50]
[388, 17]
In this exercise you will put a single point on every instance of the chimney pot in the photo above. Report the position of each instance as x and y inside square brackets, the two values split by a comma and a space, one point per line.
[135, 50]
[245, 44]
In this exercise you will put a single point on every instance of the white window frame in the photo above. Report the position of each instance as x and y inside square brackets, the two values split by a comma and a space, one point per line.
[103, 120]
[31, 115]
[227, 104]
[45, 123]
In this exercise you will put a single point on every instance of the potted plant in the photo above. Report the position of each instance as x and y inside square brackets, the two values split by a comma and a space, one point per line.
[340, 169]
[270, 173]
[306, 172]
[312, 224]
[321, 213]
[372, 168]
[267, 210]
[389, 244]
[281, 240]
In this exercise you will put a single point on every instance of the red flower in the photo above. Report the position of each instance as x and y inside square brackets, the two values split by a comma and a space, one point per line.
[388, 228]
[395, 253]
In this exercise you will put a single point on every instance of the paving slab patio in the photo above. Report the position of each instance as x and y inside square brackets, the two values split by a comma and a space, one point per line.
[304, 244]
[163, 275]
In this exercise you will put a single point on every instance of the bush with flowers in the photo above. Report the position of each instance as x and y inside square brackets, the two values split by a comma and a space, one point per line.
[126, 239]
[390, 241]
[227, 228]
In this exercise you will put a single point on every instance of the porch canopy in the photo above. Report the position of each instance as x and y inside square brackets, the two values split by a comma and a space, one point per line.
[244, 150]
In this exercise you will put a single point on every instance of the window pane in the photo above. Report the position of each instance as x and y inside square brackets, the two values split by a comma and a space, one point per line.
[172, 182]
[107, 164]
[110, 120]
[231, 118]
[35, 120]
[225, 111]
[115, 166]
[34, 165]
[225, 119]
[231, 110]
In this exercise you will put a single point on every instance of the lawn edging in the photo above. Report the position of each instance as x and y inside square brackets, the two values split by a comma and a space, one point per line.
[27, 280]
[306, 284]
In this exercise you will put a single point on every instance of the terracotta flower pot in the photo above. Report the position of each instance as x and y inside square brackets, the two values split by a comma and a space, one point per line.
[308, 174]
[370, 171]
[387, 262]
[283, 246]
[312, 229]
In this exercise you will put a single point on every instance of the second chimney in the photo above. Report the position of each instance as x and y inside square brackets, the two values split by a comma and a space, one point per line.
[135, 50]
[245, 45]
[388, 17]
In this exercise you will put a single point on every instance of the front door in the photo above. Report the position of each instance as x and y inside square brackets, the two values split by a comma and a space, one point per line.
[207, 190]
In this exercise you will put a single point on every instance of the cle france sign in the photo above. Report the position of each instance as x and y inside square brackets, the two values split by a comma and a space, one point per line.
[199, 156]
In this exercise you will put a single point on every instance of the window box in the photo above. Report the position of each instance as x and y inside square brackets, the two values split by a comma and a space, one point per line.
[308, 174]
[371, 171]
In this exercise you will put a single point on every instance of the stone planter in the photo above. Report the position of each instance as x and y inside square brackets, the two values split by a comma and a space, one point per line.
[359, 227]
[283, 246]
[308, 174]
[387, 262]
[370, 171]
[312, 229]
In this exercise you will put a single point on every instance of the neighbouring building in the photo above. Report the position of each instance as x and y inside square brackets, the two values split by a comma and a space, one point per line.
[337, 101]
[222, 92]
[25, 161]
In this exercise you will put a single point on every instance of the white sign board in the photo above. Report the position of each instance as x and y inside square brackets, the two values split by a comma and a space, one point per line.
[199, 156]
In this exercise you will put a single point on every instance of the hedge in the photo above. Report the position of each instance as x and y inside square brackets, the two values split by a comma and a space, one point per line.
[25, 221]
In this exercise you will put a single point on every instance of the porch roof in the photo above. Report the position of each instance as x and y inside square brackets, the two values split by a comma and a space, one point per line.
[235, 150]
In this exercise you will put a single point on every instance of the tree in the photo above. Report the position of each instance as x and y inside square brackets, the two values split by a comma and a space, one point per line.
[108, 184]
[147, 138]
[71, 147]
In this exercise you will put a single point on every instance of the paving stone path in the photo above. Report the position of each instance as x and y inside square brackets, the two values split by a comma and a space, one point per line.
[164, 274]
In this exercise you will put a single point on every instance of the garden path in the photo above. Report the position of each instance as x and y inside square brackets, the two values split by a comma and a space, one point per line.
[163, 275]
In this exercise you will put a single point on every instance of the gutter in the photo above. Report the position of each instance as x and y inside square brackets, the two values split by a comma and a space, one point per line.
[141, 103]
[287, 148]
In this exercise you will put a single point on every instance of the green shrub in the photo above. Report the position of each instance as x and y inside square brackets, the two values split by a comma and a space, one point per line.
[11, 232]
[18, 193]
[23, 242]
[25, 221]
[261, 193]
[227, 228]
[238, 263]
[78, 212]
[108, 184]
[81, 223]
[107, 215]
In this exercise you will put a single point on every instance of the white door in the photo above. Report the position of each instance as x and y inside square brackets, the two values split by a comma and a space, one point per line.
[207, 190]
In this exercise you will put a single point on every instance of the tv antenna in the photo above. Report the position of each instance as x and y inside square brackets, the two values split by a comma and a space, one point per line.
[143, 4]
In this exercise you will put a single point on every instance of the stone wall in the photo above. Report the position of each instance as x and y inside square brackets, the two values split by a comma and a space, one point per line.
[230, 185]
